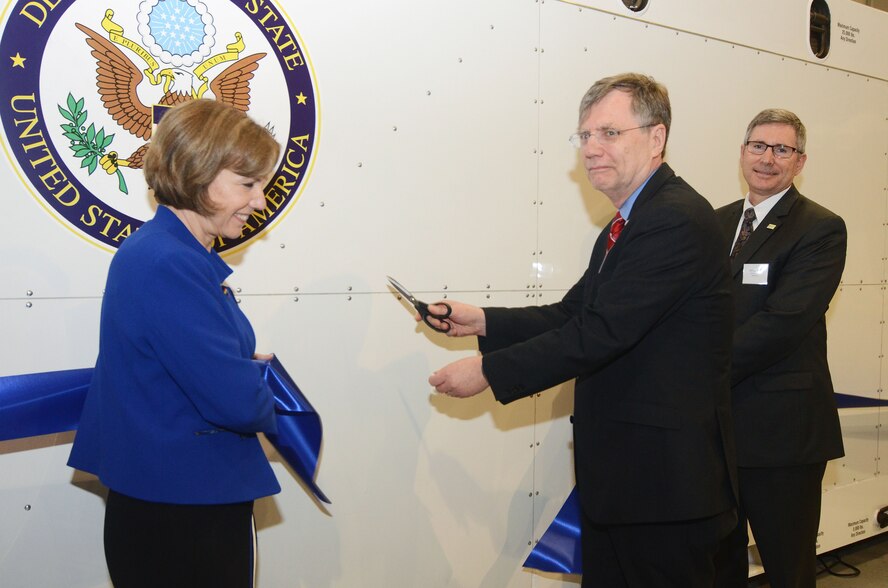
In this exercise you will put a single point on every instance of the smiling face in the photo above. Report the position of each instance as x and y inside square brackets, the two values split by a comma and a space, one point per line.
[617, 168]
[766, 174]
[234, 198]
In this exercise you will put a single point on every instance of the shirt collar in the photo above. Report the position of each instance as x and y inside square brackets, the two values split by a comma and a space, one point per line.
[626, 209]
[764, 207]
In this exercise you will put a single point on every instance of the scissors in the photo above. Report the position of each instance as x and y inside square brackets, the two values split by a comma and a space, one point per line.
[422, 308]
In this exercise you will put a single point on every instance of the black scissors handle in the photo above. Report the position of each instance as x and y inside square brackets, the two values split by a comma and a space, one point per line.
[425, 313]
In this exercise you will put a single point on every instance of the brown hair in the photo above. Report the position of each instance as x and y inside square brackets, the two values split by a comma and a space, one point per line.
[194, 142]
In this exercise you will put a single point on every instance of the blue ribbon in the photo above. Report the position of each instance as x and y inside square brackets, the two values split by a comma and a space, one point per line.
[851, 401]
[558, 550]
[51, 402]
[298, 439]
[40, 404]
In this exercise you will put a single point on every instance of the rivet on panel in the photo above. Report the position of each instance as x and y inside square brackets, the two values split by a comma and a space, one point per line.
[349, 298]
[27, 507]
[445, 286]
[238, 290]
[295, 299]
[295, 288]
[283, 246]
[28, 305]
[30, 292]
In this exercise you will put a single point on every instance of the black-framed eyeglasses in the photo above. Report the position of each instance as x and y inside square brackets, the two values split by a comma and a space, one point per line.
[603, 136]
[780, 151]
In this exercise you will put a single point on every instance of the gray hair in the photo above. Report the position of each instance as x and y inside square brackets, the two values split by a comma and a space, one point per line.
[782, 117]
[650, 99]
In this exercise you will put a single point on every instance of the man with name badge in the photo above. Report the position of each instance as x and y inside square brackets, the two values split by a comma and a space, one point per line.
[787, 257]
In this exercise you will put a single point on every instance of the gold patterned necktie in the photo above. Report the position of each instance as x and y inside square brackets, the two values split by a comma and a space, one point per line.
[745, 231]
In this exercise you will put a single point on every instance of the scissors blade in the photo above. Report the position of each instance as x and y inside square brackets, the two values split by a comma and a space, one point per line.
[404, 291]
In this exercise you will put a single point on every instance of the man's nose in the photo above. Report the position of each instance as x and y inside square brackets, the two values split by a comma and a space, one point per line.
[592, 147]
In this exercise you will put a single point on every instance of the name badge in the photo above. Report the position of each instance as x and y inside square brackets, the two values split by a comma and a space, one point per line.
[755, 274]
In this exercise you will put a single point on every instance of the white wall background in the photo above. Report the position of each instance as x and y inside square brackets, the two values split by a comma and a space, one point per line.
[443, 160]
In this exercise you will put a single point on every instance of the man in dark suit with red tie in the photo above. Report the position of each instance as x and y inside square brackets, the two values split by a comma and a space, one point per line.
[646, 333]
[787, 260]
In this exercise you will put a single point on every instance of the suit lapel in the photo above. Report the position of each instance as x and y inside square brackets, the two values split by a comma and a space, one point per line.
[658, 178]
[765, 229]
[600, 255]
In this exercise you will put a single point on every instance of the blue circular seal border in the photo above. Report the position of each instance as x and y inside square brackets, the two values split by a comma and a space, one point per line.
[24, 135]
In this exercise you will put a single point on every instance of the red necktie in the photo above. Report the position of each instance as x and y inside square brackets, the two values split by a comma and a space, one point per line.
[616, 228]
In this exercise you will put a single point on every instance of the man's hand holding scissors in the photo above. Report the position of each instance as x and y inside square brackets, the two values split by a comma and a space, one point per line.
[462, 378]
[465, 320]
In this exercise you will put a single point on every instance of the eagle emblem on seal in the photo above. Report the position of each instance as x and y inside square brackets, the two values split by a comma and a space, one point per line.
[118, 81]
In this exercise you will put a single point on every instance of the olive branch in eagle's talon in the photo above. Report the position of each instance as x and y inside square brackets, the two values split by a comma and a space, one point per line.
[88, 144]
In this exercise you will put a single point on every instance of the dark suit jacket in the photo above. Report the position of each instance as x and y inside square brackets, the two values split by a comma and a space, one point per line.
[782, 399]
[648, 339]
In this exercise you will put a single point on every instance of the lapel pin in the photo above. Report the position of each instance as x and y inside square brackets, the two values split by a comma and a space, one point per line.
[772, 227]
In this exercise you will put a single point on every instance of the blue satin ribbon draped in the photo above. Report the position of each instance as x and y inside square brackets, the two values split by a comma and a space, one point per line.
[298, 439]
[558, 550]
[51, 402]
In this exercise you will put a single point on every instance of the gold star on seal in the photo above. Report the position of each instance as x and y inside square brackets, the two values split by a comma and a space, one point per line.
[18, 61]
[301, 98]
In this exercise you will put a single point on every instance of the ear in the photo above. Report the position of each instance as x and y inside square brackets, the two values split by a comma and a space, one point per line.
[800, 164]
[658, 139]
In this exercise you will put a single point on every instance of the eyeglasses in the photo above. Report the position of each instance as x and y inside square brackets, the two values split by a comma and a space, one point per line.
[779, 151]
[603, 136]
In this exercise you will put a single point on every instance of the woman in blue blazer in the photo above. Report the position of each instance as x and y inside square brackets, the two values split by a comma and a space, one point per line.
[171, 417]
